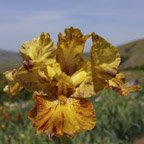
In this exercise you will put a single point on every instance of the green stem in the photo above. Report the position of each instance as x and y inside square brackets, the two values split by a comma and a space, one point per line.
[62, 140]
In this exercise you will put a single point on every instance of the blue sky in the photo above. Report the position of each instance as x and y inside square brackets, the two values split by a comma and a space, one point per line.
[118, 21]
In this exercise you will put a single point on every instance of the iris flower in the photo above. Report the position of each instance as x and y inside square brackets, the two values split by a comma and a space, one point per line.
[62, 79]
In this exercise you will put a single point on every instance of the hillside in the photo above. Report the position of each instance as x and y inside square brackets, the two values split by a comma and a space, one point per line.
[9, 60]
[132, 53]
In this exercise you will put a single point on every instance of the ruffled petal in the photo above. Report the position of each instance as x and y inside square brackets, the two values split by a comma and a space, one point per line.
[39, 77]
[32, 80]
[38, 49]
[64, 85]
[118, 84]
[78, 78]
[62, 116]
[105, 60]
[13, 86]
[70, 49]
[85, 89]
[83, 82]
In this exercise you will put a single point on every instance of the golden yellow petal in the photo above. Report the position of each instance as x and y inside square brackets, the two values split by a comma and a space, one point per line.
[118, 84]
[78, 78]
[85, 89]
[53, 70]
[38, 49]
[49, 71]
[64, 85]
[105, 60]
[13, 86]
[62, 116]
[34, 80]
[83, 81]
[70, 49]
[39, 77]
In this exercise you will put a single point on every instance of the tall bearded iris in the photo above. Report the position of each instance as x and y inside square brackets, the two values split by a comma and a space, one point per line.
[62, 80]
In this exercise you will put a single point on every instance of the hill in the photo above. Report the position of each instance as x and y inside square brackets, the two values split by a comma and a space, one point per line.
[9, 60]
[132, 54]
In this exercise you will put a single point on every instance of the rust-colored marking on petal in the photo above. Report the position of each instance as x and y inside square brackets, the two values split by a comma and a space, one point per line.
[68, 118]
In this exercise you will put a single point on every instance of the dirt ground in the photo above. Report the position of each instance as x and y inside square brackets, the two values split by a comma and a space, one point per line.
[134, 75]
[139, 141]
